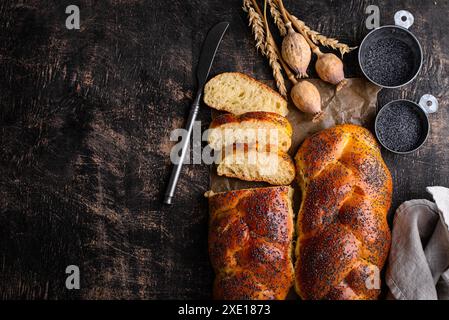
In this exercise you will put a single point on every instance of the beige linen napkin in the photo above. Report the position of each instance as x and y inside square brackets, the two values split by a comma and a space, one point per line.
[418, 267]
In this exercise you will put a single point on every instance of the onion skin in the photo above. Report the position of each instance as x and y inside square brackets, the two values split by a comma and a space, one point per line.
[296, 52]
[306, 98]
[330, 69]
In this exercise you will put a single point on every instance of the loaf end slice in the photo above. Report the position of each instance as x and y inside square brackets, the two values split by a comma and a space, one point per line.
[238, 93]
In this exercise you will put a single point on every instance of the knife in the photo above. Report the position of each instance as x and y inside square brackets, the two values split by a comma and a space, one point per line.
[208, 51]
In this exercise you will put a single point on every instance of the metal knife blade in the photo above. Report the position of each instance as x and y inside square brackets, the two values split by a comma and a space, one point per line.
[208, 52]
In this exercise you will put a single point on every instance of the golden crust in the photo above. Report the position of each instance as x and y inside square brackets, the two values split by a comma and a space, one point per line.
[343, 233]
[250, 243]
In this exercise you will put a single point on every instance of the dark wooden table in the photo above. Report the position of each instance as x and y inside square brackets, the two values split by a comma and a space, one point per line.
[85, 120]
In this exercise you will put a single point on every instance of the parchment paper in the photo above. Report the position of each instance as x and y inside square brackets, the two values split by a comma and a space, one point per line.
[355, 103]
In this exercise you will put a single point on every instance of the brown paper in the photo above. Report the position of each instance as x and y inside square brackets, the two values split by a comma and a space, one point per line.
[355, 103]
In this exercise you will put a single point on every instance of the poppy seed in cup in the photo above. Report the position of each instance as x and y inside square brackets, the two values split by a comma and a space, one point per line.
[389, 62]
[400, 127]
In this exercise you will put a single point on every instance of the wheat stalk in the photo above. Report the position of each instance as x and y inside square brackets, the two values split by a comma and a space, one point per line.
[318, 38]
[257, 26]
[273, 56]
[277, 17]
[313, 35]
[265, 41]
[277, 70]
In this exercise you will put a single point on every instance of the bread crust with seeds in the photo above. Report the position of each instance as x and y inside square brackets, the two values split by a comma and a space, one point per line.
[250, 243]
[343, 234]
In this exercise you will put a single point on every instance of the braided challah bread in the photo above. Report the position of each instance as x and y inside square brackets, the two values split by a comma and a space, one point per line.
[250, 243]
[343, 235]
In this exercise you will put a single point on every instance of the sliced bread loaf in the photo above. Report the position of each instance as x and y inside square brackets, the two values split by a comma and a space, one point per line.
[254, 163]
[253, 127]
[237, 93]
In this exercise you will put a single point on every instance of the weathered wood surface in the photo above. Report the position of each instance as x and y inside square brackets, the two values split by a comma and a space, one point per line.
[85, 120]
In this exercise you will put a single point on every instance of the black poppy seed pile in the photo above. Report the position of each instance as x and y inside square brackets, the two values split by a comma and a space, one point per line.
[389, 62]
[400, 127]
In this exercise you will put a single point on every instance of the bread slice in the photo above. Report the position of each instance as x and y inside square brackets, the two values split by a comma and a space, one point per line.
[252, 163]
[237, 93]
[253, 127]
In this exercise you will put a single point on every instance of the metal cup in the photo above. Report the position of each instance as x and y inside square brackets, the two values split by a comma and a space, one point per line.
[403, 20]
[427, 105]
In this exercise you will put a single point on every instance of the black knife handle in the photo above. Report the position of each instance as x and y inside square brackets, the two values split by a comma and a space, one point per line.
[170, 192]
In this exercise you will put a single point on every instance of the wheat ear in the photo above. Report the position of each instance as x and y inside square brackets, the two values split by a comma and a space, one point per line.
[272, 55]
[266, 43]
[277, 17]
[318, 38]
[315, 36]
[257, 26]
